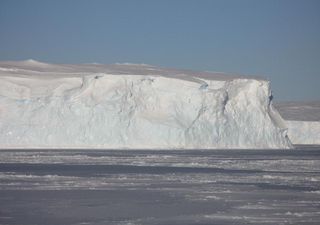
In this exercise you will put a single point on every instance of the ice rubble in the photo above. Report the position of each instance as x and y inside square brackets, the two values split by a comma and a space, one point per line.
[133, 106]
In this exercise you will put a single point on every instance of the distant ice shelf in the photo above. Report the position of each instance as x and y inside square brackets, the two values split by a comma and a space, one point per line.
[302, 120]
[134, 106]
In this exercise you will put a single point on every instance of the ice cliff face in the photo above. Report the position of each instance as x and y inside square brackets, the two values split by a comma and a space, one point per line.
[133, 106]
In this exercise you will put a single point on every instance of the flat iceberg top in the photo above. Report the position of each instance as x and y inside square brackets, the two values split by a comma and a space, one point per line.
[32, 67]
[300, 111]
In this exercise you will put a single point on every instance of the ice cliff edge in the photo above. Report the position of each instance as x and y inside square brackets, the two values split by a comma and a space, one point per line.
[133, 106]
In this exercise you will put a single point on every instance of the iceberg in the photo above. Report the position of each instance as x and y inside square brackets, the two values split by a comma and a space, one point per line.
[134, 106]
[302, 120]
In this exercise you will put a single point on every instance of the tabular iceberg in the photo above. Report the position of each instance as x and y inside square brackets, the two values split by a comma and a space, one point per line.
[134, 106]
[302, 120]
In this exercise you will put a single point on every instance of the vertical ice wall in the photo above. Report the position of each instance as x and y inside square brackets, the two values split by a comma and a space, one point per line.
[69, 106]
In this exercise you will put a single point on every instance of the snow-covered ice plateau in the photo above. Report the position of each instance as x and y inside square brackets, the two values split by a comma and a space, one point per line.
[134, 106]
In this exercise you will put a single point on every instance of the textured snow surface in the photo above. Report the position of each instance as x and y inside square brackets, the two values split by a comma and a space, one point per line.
[302, 120]
[158, 187]
[133, 106]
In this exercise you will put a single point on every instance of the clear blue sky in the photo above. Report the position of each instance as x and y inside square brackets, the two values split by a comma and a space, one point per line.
[278, 39]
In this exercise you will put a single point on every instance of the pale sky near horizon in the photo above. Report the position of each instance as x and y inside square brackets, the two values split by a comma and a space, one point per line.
[276, 39]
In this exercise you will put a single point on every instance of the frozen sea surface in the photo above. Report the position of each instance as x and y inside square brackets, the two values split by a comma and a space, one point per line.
[160, 187]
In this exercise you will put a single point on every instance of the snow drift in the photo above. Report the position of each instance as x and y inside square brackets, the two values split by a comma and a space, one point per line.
[133, 106]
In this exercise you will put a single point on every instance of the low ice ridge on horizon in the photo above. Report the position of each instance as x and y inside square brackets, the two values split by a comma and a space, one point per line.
[302, 120]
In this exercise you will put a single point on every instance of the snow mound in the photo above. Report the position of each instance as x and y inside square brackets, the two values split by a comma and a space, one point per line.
[133, 106]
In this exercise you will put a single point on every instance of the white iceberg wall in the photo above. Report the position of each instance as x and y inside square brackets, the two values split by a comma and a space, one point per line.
[304, 132]
[302, 120]
[137, 111]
